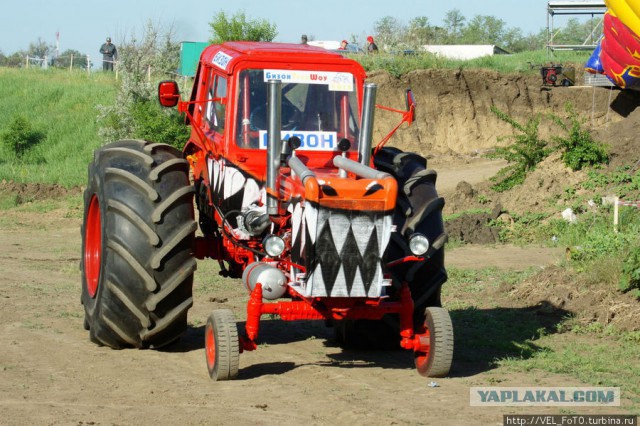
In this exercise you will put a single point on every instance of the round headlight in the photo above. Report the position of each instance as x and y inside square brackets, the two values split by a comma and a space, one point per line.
[273, 245]
[418, 244]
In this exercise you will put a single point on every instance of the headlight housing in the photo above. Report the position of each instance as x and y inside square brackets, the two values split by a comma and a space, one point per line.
[273, 245]
[418, 244]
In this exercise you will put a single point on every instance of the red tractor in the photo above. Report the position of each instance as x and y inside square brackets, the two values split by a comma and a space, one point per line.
[292, 198]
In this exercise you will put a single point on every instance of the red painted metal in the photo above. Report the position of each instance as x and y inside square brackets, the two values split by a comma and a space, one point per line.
[407, 116]
[407, 259]
[93, 246]
[210, 346]
[336, 309]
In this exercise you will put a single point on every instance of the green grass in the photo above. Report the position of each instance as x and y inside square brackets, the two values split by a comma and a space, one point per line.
[399, 65]
[61, 104]
[494, 332]
[594, 359]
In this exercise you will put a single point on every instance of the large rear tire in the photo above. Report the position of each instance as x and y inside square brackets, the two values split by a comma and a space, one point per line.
[418, 209]
[137, 259]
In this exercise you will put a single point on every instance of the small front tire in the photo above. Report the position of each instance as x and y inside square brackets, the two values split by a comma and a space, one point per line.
[438, 330]
[222, 348]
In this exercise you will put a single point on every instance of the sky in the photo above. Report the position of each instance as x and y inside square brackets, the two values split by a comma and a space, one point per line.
[83, 25]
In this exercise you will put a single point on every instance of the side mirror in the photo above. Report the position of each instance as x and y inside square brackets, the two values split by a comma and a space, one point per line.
[411, 106]
[168, 93]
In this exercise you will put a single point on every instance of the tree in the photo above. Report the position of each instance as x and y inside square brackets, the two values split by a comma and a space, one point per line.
[389, 32]
[39, 49]
[454, 24]
[420, 32]
[483, 29]
[64, 60]
[574, 32]
[15, 60]
[239, 27]
[515, 42]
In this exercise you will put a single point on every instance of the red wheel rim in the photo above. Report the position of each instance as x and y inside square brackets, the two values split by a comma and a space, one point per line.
[422, 358]
[92, 247]
[210, 346]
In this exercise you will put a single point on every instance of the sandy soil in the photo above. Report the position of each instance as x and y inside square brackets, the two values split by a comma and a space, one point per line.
[50, 373]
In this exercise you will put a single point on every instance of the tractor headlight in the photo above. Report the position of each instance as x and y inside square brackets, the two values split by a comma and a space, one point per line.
[273, 245]
[418, 244]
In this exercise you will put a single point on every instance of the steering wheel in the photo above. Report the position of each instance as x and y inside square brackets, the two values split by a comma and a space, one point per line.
[289, 117]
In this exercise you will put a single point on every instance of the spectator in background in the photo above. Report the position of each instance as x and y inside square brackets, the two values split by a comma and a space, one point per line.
[109, 55]
[371, 46]
[343, 45]
[303, 39]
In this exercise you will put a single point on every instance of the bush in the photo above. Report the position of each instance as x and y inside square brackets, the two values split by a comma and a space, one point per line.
[157, 124]
[578, 147]
[136, 112]
[523, 155]
[630, 278]
[20, 137]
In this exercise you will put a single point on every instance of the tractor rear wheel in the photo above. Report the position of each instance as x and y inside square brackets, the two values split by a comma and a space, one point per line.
[137, 261]
[438, 331]
[221, 343]
[418, 210]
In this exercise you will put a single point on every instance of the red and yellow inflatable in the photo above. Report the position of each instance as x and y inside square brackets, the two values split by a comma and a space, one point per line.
[618, 54]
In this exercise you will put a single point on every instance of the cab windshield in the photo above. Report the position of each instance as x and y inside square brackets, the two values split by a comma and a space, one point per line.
[318, 107]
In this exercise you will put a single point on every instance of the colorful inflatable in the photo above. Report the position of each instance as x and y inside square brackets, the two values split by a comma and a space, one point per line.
[618, 53]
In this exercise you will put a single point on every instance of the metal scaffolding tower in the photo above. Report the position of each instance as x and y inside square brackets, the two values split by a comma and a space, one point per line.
[574, 7]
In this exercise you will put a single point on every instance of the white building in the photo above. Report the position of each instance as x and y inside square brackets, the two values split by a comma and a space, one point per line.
[464, 51]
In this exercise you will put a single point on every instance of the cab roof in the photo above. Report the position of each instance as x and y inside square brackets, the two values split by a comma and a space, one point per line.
[228, 54]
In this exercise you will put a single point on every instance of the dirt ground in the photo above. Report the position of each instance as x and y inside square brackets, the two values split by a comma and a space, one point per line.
[50, 373]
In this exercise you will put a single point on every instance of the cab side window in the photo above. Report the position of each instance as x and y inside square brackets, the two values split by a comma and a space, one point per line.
[215, 112]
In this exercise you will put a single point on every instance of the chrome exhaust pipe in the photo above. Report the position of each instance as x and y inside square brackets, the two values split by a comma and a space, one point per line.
[274, 148]
[366, 123]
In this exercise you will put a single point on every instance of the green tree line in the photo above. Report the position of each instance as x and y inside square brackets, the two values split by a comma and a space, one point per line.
[392, 33]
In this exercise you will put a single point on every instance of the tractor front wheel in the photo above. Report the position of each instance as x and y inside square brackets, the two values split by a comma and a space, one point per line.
[221, 343]
[436, 360]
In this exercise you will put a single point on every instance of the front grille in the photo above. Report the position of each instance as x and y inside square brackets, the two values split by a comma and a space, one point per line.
[341, 251]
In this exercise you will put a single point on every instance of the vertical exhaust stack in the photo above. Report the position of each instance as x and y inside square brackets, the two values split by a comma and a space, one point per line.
[366, 124]
[274, 103]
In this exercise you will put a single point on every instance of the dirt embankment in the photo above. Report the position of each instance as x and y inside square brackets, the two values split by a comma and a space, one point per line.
[454, 115]
[455, 126]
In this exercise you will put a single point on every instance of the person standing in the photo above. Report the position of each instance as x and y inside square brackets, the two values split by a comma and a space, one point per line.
[343, 45]
[303, 39]
[109, 55]
[371, 46]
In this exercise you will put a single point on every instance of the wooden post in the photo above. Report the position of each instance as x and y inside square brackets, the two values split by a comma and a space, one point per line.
[615, 215]
[88, 64]
[27, 61]
[148, 73]
[71, 63]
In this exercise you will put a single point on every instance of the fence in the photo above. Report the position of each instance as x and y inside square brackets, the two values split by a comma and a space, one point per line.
[60, 62]
[617, 202]
[72, 62]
